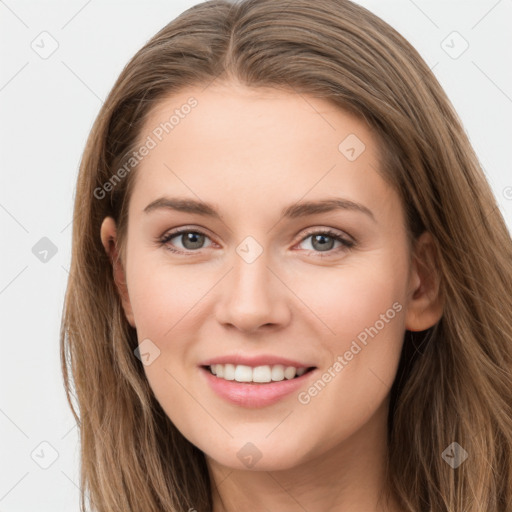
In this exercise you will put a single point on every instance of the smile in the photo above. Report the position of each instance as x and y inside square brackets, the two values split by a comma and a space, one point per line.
[258, 374]
[256, 386]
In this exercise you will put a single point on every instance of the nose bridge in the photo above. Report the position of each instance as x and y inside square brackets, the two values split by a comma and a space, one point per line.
[252, 296]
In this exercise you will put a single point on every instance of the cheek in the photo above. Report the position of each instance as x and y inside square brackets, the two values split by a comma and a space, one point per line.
[167, 300]
[164, 300]
[162, 295]
[362, 313]
[361, 307]
[352, 297]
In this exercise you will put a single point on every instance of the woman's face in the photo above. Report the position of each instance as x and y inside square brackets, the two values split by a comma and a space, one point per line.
[300, 258]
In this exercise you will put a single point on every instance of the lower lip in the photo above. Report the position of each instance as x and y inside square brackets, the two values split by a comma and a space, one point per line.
[254, 394]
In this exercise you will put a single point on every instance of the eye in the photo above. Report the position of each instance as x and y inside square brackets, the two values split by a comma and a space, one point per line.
[190, 240]
[324, 240]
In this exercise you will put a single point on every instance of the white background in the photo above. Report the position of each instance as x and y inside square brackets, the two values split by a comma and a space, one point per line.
[47, 109]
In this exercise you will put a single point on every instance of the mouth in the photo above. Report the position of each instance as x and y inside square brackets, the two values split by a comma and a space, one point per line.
[263, 374]
[254, 384]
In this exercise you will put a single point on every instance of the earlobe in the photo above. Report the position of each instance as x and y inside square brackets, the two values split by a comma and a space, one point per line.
[426, 304]
[108, 235]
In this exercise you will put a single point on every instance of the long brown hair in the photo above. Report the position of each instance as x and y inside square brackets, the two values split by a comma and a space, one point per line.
[454, 382]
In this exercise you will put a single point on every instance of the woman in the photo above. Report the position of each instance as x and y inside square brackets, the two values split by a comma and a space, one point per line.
[290, 281]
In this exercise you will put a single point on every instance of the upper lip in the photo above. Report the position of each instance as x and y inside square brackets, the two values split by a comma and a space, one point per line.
[261, 360]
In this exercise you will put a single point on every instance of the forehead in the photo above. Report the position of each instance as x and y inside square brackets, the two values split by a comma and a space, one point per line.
[235, 142]
[247, 118]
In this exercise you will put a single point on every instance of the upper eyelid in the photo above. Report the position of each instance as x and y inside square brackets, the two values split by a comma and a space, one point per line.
[180, 231]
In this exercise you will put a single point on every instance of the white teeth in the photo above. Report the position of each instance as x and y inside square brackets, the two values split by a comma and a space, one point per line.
[261, 374]
[242, 373]
[229, 371]
[264, 373]
[277, 372]
[289, 372]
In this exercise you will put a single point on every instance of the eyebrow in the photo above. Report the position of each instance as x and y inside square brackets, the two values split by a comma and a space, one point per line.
[302, 209]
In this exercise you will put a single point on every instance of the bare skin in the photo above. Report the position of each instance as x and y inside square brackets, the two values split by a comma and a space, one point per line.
[252, 153]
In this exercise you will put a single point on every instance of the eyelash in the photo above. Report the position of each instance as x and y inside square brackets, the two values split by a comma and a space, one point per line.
[346, 244]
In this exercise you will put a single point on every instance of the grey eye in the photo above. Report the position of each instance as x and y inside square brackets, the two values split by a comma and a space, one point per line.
[190, 240]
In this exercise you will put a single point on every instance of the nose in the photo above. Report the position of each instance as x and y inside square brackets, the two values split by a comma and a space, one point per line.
[251, 297]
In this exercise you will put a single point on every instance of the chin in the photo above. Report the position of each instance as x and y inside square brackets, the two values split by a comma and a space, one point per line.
[257, 456]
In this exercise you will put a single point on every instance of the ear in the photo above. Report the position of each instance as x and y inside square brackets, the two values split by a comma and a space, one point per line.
[425, 306]
[109, 241]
